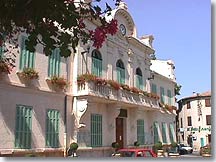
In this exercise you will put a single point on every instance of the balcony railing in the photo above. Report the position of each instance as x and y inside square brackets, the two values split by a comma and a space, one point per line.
[107, 92]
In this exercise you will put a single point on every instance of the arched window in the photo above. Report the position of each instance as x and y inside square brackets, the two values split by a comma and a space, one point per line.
[96, 63]
[120, 69]
[139, 78]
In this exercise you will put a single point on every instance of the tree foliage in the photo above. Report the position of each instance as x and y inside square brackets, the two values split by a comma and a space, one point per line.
[177, 89]
[54, 23]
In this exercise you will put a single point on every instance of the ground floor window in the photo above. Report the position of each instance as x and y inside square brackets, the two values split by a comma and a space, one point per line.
[52, 128]
[96, 130]
[164, 133]
[171, 132]
[156, 132]
[140, 132]
[23, 126]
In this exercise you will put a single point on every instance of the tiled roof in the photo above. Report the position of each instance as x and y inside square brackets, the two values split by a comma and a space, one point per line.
[204, 94]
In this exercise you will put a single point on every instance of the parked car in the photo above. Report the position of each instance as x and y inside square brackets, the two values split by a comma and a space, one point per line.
[134, 152]
[184, 149]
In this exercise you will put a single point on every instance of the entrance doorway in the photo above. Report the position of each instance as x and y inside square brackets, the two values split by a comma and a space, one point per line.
[120, 132]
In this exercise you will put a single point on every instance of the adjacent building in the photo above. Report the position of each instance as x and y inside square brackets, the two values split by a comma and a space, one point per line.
[194, 120]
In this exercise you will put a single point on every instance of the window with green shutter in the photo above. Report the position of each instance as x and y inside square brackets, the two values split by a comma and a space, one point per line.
[171, 132]
[96, 130]
[156, 133]
[96, 63]
[23, 127]
[27, 58]
[54, 63]
[120, 69]
[154, 88]
[162, 99]
[164, 133]
[140, 132]
[169, 97]
[52, 128]
[139, 79]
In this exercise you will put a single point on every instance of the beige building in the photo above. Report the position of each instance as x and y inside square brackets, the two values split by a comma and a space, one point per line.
[194, 120]
[123, 104]
[33, 111]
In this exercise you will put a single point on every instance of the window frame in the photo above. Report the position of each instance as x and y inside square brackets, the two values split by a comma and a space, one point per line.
[139, 79]
[52, 128]
[97, 63]
[23, 132]
[208, 119]
[189, 121]
[27, 58]
[120, 70]
[141, 131]
[207, 102]
[54, 63]
[96, 130]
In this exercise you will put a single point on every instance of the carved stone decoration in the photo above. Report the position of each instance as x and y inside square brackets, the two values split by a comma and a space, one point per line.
[130, 52]
[81, 109]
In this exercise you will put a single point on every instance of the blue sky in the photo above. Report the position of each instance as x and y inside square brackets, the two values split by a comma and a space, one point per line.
[182, 32]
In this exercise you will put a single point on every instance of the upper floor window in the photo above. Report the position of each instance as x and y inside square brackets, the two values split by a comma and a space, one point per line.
[188, 105]
[120, 69]
[181, 123]
[54, 63]
[27, 58]
[162, 95]
[96, 63]
[207, 102]
[208, 119]
[169, 95]
[154, 88]
[189, 121]
[139, 78]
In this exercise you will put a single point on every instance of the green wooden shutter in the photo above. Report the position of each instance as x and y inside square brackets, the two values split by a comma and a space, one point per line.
[162, 95]
[23, 127]
[121, 75]
[27, 58]
[169, 97]
[171, 132]
[54, 63]
[154, 88]
[139, 82]
[96, 130]
[164, 133]
[140, 132]
[156, 133]
[97, 67]
[52, 128]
